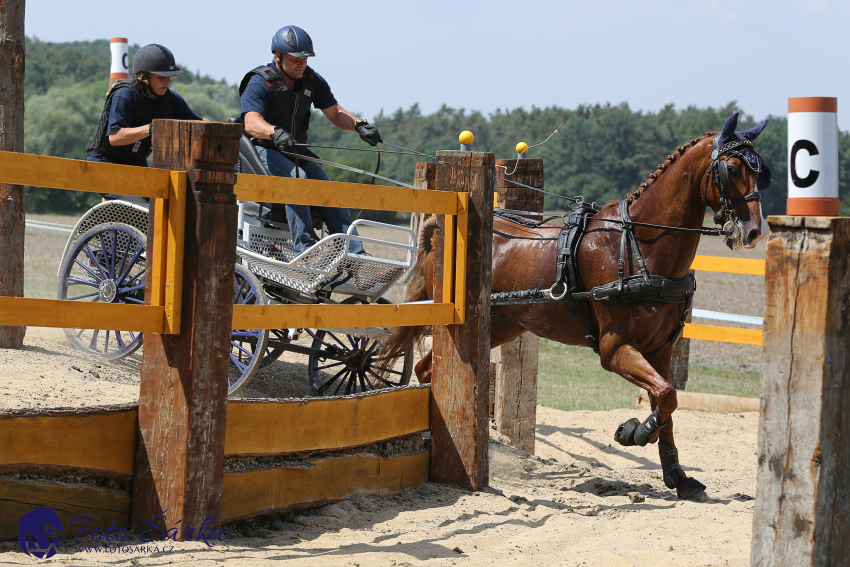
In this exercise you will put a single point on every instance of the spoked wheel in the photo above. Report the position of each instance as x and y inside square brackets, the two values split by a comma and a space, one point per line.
[246, 346]
[107, 265]
[350, 364]
[273, 353]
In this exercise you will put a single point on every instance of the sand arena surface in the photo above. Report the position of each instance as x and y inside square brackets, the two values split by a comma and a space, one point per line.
[582, 500]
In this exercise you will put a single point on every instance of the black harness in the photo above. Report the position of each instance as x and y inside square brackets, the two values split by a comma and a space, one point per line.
[726, 214]
[641, 287]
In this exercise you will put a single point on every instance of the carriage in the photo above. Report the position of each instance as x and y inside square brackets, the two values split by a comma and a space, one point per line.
[105, 261]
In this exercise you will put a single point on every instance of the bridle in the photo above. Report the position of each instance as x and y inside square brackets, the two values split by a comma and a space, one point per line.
[725, 216]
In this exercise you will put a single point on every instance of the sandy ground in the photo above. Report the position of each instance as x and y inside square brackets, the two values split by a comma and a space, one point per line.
[579, 501]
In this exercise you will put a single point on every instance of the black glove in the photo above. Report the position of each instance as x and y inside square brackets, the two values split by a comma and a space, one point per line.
[368, 134]
[283, 140]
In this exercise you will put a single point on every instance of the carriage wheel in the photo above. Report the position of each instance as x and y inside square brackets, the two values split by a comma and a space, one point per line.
[357, 372]
[246, 346]
[107, 265]
[273, 353]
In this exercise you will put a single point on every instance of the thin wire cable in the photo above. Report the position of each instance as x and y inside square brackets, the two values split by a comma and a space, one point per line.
[358, 149]
[555, 131]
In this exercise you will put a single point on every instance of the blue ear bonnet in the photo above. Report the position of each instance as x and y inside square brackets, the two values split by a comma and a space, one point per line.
[746, 153]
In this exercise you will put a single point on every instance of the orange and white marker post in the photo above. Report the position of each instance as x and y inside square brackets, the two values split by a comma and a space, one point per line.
[813, 156]
[120, 68]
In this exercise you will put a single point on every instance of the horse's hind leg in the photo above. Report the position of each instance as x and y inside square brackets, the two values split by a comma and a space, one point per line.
[651, 375]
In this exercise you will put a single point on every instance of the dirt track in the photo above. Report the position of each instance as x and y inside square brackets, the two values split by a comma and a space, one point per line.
[572, 504]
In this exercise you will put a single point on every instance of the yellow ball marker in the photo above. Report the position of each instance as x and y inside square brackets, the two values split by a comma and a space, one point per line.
[521, 150]
[466, 139]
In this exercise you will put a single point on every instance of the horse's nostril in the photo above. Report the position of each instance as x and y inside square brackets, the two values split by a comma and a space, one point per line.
[752, 235]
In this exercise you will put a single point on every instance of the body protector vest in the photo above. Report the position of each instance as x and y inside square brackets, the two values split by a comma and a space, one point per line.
[288, 109]
[147, 110]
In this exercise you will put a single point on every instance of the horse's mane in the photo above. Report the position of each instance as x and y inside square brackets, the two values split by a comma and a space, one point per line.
[671, 159]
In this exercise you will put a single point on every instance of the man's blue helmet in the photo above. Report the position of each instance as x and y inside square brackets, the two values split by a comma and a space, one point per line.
[292, 40]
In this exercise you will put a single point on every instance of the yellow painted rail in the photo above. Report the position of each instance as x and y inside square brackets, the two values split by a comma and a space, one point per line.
[168, 189]
[325, 316]
[722, 334]
[317, 193]
[728, 265]
[28, 312]
[79, 175]
[716, 332]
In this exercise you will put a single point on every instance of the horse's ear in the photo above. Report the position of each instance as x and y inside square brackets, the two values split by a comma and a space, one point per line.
[753, 133]
[729, 128]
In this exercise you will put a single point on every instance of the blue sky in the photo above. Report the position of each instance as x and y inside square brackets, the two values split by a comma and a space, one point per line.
[487, 55]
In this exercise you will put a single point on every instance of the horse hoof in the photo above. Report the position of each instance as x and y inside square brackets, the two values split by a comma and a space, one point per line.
[647, 430]
[625, 434]
[691, 489]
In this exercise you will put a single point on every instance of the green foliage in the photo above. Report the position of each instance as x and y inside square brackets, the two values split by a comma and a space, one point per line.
[601, 152]
[65, 89]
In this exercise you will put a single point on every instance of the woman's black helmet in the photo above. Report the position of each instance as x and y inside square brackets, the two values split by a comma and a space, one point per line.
[156, 59]
[292, 40]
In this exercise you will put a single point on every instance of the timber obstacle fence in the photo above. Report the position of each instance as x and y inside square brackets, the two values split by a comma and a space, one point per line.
[181, 449]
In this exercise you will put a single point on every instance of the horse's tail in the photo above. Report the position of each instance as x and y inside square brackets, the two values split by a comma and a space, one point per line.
[399, 340]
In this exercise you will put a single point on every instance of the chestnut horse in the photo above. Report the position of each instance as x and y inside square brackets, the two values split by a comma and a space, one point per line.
[633, 338]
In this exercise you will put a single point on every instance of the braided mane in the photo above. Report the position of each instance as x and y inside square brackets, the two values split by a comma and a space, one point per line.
[663, 167]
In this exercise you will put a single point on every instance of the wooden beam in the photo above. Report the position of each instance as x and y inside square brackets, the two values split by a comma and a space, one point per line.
[340, 316]
[515, 407]
[255, 492]
[80, 175]
[176, 229]
[272, 428]
[81, 314]
[182, 398]
[317, 193]
[802, 515]
[68, 438]
[728, 265]
[104, 505]
[528, 171]
[702, 401]
[722, 334]
[459, 388]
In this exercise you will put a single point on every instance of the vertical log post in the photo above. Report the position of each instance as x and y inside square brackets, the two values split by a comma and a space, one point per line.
[802, 511]
[460, 383]
[12, 59]
[424, 178]
[515, 407]
[183, 395]
[678, 376]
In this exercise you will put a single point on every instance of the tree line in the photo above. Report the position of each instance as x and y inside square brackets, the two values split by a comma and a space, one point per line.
[601, 151]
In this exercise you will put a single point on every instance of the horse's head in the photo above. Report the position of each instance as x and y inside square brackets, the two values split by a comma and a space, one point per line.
[737, 174]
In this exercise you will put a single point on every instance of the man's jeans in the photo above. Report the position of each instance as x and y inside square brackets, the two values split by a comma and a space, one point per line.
[299, 216]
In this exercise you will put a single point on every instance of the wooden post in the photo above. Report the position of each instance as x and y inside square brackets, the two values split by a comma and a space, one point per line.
[460, 383]
[425, 178]
[183, 395]
[802, 511]
[515, 408]
[12, 220]
[680, 361]
[527, 171]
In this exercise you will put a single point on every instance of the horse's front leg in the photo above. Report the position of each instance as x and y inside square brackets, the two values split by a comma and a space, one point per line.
[651, 375]
[626, 361]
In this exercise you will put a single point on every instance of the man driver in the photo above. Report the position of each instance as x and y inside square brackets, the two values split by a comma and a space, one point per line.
[275, 107]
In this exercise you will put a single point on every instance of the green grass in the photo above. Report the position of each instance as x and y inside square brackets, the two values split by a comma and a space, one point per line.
[571, 378]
